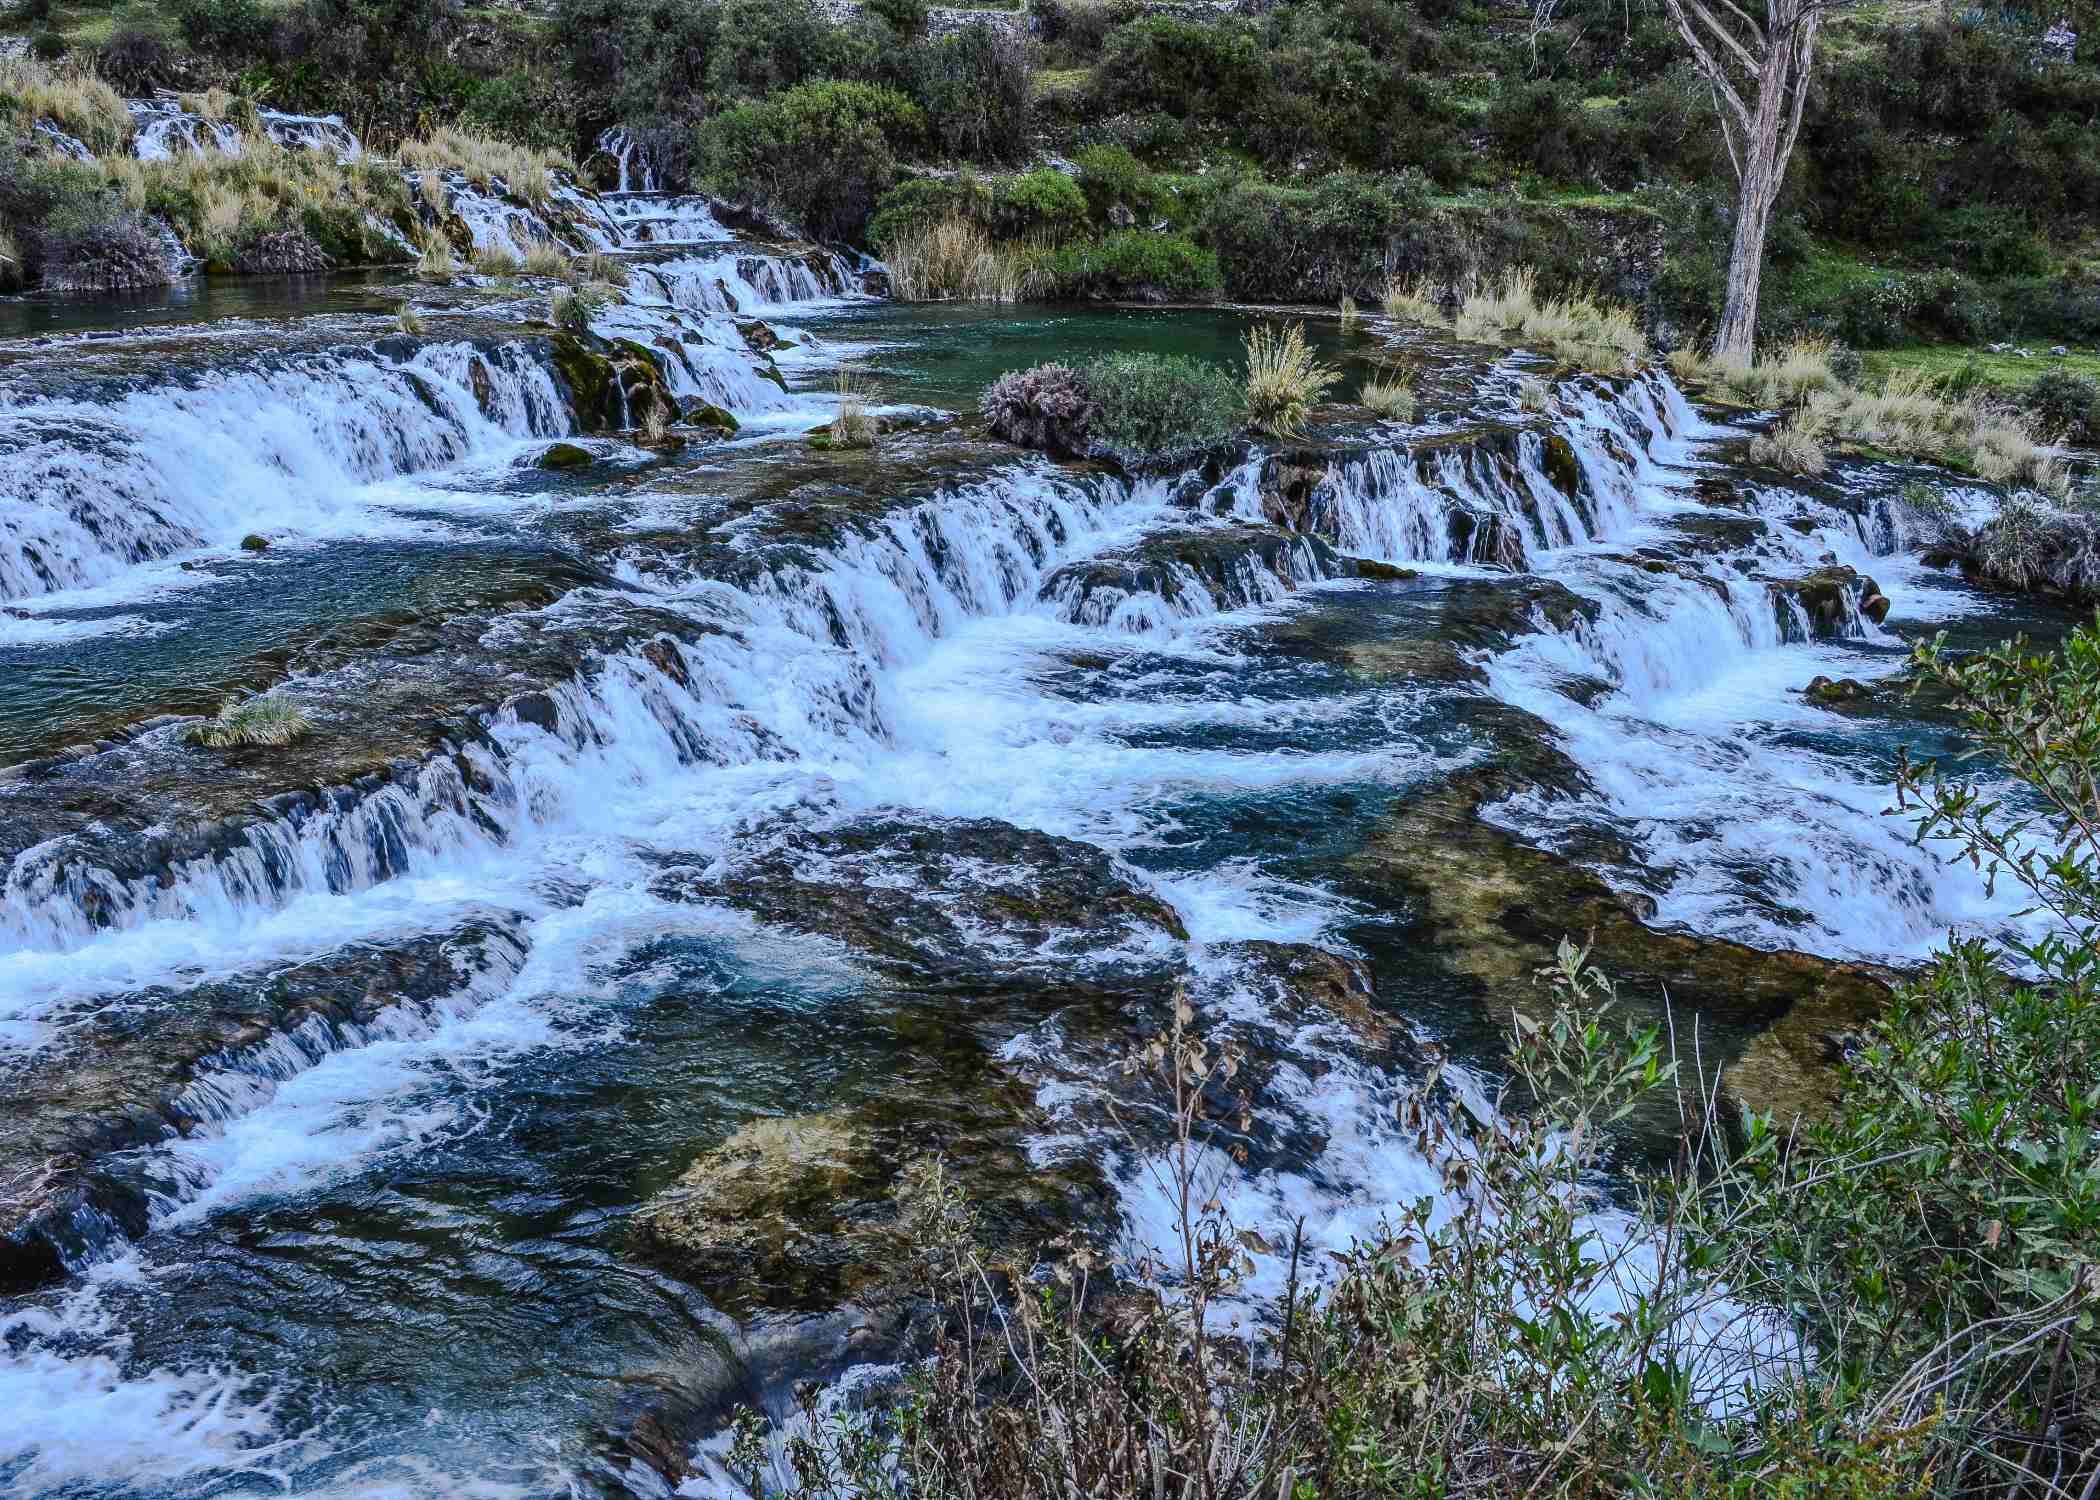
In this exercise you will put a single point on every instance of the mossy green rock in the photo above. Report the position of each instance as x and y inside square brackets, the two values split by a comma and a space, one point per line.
[707, 414]
[565, 456]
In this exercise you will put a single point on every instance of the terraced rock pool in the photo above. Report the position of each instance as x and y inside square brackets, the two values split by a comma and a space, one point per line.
[487, 1092]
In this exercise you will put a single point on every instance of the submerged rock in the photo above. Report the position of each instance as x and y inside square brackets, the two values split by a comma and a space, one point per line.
[1494, 910]
[947, 898]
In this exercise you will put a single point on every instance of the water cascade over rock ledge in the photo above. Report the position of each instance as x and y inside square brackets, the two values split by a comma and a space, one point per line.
[680, 839]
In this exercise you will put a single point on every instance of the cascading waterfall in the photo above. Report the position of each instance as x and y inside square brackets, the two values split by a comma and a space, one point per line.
[879, 600]
[636, 163]
[64, 144]
[739, 283]
[100, 482]
[887, 666]
[162, 129]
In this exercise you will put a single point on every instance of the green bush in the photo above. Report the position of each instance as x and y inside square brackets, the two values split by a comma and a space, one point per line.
[2066, 406]
[1133, 264]
[1340, 238]
[1043, 204]
[518, 106]
[819, 154]
[761, 47]
[905, 17]
[917, 204]
[1110, 176]
[975, 89]
[1181, 68]
[231, 27]
[1161, 408]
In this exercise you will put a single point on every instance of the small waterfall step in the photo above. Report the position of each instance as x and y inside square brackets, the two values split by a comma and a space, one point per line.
[124, 1073]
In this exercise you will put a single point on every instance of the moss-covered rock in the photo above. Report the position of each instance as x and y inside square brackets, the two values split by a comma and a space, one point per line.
[564, 456]
[707, 414]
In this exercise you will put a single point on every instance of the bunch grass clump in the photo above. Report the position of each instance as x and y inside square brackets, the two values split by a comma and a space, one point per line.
[407, 319]
[545, 258]
[1577, 330]
[854, 426]
[253, 721]
[489, 164]
[437, 264]
[1792, 446]
[219, 204]
[75, 100]
[1912, 413]
[1390, 394]
[1414, 301]
[954, 260]
[600, 269]
[571, 308]
[1285, 380]
[496, 260]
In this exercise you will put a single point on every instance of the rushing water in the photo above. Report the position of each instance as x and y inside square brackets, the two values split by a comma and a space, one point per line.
[398, 1035]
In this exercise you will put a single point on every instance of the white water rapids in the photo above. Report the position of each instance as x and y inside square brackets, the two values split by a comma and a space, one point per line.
[911, 662]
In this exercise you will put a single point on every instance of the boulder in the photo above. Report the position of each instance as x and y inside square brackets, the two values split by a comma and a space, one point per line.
[1834, 690]
[564, 456]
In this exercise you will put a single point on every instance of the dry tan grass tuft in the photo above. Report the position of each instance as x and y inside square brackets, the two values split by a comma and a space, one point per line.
[954, 261]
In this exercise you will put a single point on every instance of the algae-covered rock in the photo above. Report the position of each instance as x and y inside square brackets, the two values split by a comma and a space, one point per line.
[707, 414]
[253, 543]
[564, 456]
[786, 1204]
[1822, 689]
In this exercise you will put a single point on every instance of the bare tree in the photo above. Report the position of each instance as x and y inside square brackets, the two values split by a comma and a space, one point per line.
[1758, 71]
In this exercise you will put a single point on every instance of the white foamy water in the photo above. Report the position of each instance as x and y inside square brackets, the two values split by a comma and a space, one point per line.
[906, 664]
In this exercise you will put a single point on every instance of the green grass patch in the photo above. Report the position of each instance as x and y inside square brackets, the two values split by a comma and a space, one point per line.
[2005, 372]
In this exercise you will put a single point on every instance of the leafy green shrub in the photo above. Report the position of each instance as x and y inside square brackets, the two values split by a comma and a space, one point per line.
[2065, 406]
[905, 17]
[1111, 177]
[820, 154]
[1161, 408]
[137, 60]
[518, 106]
[975, 89]
[1181, 68]
[647, 60]
[1278, 244]
[757, 48]
[47, 46]
[234, 28]
[1077, 29]
[1132, 264]
[1948, 305]
[1043, 204]
[919, 203]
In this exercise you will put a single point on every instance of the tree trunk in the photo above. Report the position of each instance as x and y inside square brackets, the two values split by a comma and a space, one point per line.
[1736, 340]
